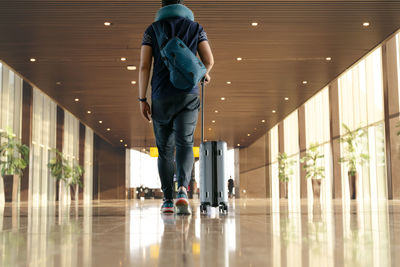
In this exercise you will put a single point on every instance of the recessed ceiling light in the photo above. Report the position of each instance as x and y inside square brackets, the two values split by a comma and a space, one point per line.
[108, 129]
[121, 140]
[328, 58]
[133, 82]
[238, 144]
[254, 24]
[58, 83]
[107, 23]
[216, 111]
[100, 122]
[366, 24]
[222, 98]
[33, 59]
[305, 82]
[263, 121]
[123, 58]
[239, 59]
[286, 98]
[213, 121]
[274, 111]
[89, 112]
[248, 134]
[76, 99]
[209, 129]
[131, 67]
[126, 145]
[228, 82]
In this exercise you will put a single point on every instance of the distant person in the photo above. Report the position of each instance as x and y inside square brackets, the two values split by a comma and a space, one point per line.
[231, 185]
[174, 112]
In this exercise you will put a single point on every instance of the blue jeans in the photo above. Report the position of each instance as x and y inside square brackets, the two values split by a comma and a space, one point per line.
[174, 123]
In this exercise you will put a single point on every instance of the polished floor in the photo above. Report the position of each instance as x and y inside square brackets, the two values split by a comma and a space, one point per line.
[133, 233]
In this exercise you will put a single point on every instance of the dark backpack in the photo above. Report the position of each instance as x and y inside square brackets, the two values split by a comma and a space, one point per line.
[185, 69]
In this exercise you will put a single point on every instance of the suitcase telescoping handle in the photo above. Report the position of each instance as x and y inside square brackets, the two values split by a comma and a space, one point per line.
[202, 109]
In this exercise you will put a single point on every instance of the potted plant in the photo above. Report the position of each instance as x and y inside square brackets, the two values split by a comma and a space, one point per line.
[314, 171]
[63, 171]
[285, 171]
[353, 155]
[14, 158]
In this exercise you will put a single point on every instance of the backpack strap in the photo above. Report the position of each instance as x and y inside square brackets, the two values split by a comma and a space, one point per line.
[161, 37]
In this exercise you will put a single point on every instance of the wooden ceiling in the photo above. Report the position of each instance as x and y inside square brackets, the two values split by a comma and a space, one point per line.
[73, 47]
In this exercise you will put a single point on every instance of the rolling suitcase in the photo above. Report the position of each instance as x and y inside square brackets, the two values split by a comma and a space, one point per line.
[212, 170]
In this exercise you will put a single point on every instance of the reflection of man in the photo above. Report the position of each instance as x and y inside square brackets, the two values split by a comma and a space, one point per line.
[231, 185]
[176, 242]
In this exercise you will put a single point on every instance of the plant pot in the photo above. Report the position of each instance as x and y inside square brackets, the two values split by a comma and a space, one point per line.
[316, 188]
[11, 187]
[353, 185]
[284, 190]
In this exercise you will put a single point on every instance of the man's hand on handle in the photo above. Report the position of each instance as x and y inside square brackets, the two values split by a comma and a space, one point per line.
[145, 110]
[207, 79]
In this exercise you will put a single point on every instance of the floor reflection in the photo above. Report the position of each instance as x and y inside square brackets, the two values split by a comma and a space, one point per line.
[119, 233]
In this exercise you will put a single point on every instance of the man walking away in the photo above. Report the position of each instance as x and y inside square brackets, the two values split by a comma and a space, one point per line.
[174, 111]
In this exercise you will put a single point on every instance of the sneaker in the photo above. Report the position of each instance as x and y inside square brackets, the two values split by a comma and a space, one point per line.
[168, 207]
[182, 203]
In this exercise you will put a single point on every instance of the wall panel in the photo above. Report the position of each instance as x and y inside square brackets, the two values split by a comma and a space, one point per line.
[109, 179]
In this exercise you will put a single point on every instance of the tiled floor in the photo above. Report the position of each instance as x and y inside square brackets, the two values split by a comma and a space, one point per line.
[133, 233]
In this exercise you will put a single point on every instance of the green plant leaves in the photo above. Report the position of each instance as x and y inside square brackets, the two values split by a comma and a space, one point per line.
[14, 154]
[62, 169]
[311, 160]
[353, 146]
[285, 167]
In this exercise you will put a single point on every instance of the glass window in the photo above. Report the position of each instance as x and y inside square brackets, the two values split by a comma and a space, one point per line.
[292, 149]
[144, 170]
[318, 132]
[274, 151]
[398, 62]
[70, 150]
[88, 166]
[44, 123]
[361, 105]
[10, 107]
[10, 100]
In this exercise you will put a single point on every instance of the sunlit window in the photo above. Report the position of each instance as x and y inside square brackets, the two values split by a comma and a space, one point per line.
[318, 132]
[11, 100]
[398, 63]
[291, 145]
[88, 166]
[361, 105]
[144, 170]
[274, 151]
[44, 126]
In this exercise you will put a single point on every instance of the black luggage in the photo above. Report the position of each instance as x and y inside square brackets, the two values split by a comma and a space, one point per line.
[212, 170]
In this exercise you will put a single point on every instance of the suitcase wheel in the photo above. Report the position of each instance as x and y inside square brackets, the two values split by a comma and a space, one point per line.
[223, 208]
[203, 208]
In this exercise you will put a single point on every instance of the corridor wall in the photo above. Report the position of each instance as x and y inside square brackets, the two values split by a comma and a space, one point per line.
[366, 95]
[253, 170]
[43, 125]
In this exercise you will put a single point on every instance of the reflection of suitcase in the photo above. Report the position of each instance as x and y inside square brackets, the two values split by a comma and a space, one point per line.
[212, 171]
